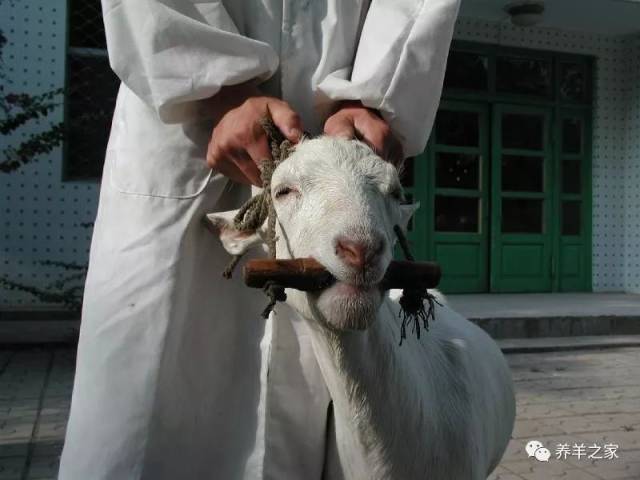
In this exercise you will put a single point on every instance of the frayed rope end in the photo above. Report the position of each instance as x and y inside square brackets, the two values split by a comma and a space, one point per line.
[414, 313]
[276, 294]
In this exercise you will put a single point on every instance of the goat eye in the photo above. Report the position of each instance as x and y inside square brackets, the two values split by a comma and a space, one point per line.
[283, 192]
[396, 194]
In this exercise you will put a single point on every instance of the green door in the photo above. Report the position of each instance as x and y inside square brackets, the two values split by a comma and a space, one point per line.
[505, 194]
[522, 218]
[573, 184]
[505, 181]
[459, 206]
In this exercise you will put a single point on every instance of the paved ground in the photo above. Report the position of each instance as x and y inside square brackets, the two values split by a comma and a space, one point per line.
[35, 390]
[564, 398]
[556, 344]
[538, 315]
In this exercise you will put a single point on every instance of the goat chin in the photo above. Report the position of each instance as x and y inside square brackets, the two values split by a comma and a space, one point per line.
[334, 310]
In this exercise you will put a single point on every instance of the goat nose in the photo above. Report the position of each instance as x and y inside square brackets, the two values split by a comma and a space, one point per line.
[358, 254]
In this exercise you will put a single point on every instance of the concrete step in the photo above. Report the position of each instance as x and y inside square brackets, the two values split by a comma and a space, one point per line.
[537, 315]
[555, 344]
[38, 332]
[537, 327]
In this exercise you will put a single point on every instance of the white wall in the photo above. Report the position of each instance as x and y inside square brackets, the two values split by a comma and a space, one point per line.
[40, 216]
[616, 250]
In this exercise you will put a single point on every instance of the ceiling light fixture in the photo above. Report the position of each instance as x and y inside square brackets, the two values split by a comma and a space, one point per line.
[525, 13]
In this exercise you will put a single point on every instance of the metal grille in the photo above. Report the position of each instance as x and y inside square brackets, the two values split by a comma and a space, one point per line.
[91, 92]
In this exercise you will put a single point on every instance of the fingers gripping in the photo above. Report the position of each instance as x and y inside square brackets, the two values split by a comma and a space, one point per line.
[287, 120]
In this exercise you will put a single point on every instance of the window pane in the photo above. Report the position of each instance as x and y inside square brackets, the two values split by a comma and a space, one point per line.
[571, 181]
[465, 70]
[407, 172]
[92, 90]
[521, 215]
[86, 28]
[572, 135]
[522, 174]
[456, 214]
[573, 81]
[522, 131]
[457, 128]
[570, 218]
[457, 170]
[526, 76]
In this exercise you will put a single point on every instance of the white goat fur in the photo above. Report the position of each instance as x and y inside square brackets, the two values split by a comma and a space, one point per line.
[440, 407]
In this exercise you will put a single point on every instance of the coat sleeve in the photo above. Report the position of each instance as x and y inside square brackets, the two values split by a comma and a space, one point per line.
[171, 53]
[399, 65]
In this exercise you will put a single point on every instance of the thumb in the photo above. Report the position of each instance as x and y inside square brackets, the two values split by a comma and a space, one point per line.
[340, 126]
[287, 120]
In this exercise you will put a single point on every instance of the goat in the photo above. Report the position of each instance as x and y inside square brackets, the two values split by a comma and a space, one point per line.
[440, 407]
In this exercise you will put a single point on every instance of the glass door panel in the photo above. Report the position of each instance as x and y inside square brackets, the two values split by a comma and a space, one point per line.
[467, 71]
[573, 244]
[458, 170]
[458, 235]
[521, 199]
[524, 76]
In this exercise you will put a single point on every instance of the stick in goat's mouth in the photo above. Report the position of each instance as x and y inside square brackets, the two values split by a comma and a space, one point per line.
[309, 275]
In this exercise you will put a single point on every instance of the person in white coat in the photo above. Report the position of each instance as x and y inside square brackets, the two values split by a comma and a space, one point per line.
[177, 375]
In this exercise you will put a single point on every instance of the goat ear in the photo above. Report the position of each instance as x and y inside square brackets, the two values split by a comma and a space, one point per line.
[407, 212]
[234, 241]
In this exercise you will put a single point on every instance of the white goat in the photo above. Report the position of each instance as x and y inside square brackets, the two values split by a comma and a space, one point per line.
[440, 407]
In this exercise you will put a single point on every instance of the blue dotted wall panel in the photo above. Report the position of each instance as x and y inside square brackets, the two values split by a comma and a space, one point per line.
[632, 177]
[41, 217]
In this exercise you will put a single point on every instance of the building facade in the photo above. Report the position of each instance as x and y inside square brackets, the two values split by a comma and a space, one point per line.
[530, 181]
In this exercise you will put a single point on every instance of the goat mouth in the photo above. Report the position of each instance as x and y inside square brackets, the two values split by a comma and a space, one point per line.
[353, 289]
[350, 283]
[353, 285]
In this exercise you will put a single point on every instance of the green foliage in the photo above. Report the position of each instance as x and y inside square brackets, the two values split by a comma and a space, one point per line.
[65, 291]
[20, 110]
[30, 149]
[24, 110]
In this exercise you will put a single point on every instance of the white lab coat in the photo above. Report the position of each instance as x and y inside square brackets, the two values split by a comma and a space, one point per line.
[177, 375]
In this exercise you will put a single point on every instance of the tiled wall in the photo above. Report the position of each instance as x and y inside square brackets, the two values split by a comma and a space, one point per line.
[616, 256]
[41, 217]
[632, 177]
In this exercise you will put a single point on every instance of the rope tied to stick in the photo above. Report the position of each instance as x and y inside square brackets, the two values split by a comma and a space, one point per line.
[413, 300]
[258, 209]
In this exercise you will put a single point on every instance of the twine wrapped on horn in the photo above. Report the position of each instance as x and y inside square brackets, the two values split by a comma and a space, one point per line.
[259, 209]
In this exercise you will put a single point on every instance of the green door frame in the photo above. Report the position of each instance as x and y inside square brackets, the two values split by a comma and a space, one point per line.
[570, 255]
[572, 252]
[462, 255]
[521, 262]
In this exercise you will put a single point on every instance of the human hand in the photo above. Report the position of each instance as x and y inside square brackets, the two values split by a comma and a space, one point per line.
[238, 142]
[353, 120]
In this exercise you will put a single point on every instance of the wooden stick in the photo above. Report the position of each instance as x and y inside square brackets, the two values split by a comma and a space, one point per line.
[408, 274]
[308, 275]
